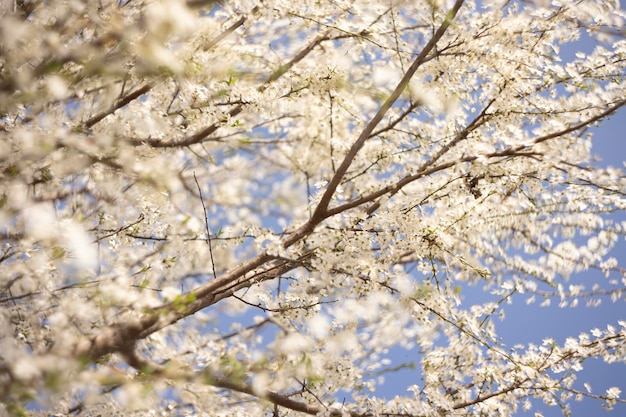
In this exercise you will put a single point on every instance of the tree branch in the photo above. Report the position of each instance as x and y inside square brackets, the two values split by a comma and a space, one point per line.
[117, 105]
[320, 210]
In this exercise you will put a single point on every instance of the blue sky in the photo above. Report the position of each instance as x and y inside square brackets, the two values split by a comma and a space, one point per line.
[526, 324]
[532, 323]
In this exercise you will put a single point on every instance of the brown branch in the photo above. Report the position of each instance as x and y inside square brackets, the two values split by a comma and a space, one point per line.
[521, 150]
[393, 123]
[273, 397]
[612, 109]
[117, 105]
[147, 367]
[566, 356]
[114, 232]
[321, 210]
[118, 336]
[225, 33]
[227, 287]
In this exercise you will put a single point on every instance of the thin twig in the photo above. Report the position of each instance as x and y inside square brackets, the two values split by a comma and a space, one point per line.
[206, 225]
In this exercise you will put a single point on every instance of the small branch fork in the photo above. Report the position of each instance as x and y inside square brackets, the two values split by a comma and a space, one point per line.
[118, 105]
[123, 101]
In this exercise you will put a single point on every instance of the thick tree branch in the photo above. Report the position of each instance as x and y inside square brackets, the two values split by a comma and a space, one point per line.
[320, 212]
[322, 206]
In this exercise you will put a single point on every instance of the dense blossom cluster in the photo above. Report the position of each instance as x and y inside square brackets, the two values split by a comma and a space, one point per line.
[243, 207]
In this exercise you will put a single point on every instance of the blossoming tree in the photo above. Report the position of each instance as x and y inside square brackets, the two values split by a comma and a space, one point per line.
[245, 207]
